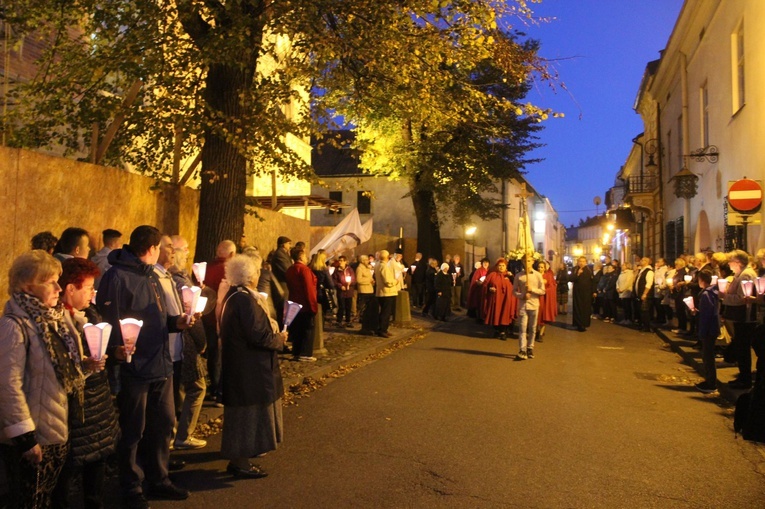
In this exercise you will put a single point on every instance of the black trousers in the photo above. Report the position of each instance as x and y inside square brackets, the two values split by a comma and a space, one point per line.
[743, 334]
[344, 308]
[301, 334]
[418, 294]
[386, 311]
[645, 312]
[369, 311]
[212, 354]
[708, 357]
[147, 418]
[93, 475]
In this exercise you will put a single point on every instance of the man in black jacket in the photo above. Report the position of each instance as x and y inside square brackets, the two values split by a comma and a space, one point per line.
[130, 289]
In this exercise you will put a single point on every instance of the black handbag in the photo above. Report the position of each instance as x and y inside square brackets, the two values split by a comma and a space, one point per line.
[328, 297]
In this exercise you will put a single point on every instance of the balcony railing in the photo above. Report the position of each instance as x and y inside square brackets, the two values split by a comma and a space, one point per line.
[638, 184]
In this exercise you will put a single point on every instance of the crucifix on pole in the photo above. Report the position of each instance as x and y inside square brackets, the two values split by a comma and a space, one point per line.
[525, 241]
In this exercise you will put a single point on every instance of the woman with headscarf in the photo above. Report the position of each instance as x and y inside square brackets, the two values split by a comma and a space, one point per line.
[41, 382]
[252, 381]
[443, 286]
[499, 302]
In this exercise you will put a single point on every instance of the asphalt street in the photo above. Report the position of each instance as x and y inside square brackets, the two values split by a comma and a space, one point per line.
[606, 418]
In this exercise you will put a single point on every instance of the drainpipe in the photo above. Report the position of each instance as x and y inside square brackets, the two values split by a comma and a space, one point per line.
[686, 149]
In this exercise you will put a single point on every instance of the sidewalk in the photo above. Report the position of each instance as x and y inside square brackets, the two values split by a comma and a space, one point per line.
[683, 345]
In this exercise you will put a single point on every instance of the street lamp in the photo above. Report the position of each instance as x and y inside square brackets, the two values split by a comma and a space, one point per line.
[470, 232]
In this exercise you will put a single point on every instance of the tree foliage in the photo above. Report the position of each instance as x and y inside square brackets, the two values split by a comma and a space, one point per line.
[235, 79]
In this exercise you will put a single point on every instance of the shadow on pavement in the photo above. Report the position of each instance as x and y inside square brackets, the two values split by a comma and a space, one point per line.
[476, 352]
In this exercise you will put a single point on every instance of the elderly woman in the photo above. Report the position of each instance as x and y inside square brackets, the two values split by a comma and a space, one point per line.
[366, 304]
[40, 380]
[252, 382]
[443, 285]
[95, 439]
[678, 294]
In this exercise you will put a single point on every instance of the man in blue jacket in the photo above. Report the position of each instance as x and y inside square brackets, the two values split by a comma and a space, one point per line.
[130, 289]
[709, 328]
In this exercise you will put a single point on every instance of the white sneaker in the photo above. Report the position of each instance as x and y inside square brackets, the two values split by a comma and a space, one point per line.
[190, 443]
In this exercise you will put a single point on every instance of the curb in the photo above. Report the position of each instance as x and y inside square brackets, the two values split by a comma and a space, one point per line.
[359, 356]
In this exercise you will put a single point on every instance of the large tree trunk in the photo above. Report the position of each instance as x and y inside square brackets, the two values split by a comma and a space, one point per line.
[224, 169]
[428, 233]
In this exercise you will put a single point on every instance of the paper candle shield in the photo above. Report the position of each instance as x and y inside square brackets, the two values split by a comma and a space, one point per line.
[200, 270]
[689, 302]
[97, 337]
[457, 269]
[413, 267]
[714, 280]
[722, 284]
[747, 287]
[130, 328]
[760, 283]
[482, 279]
[331, 270]
[291, 309]
[263, 294]
[201, 303]
[687, 278]
[454, 277]
[348, 279]
[190, 296]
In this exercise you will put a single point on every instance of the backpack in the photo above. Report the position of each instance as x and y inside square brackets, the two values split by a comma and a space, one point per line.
[749, 416]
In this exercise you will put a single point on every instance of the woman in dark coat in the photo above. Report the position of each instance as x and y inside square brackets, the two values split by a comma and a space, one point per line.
[252, 381]
[430, 287]
[443, 287]
[581, 276]
[93, 440]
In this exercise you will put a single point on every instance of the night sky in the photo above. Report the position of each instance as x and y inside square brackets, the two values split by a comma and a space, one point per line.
[600, 49]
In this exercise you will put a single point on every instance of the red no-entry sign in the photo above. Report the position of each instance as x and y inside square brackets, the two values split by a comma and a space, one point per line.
[745, 196]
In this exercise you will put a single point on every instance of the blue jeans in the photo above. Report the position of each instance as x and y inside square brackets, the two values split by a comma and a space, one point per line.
[528, 323]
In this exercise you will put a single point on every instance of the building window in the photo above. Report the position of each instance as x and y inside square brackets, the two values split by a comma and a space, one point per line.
[738, 68]
[338, 197]
[704, 104]
[363, 202]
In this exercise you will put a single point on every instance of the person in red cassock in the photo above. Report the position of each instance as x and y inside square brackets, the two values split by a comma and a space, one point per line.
[548, 303]
[474, 298]
[499, 302]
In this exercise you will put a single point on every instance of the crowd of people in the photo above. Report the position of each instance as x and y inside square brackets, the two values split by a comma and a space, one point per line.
[57, 397]
[711, 298]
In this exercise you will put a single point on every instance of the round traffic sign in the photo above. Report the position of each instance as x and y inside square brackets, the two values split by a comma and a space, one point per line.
[745, 196]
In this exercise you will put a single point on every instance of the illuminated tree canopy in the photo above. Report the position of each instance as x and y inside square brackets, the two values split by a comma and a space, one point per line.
[437, 82]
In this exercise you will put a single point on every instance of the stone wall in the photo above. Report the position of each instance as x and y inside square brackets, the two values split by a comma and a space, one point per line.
[39, 192]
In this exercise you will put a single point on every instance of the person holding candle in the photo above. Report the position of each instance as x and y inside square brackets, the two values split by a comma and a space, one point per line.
[499, 301]
[548, 304]
[708, 312]
[344, 279]
[131, 289]
[94, 439]
[739, 311]
[456, 268]
[301, 284]
[624, 289]
[561, 280]
[678, 293]
[642, 292]
[474, 291]
[417, 272]
[386, 289]
[252, 381]
[40, 380]
[443, 285]
[366, 305]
